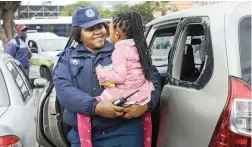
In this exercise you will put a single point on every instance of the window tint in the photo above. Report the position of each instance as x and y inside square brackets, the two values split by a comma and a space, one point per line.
[19, 81]
[4, 96]
[245, 48]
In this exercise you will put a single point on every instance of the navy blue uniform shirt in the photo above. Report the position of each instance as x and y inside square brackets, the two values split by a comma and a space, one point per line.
[76, 85]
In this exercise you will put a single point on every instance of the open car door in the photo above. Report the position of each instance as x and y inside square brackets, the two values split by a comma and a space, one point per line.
[49, 127]
[50, 130]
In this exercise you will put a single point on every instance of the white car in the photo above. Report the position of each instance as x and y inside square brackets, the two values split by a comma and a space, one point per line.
[44, 48]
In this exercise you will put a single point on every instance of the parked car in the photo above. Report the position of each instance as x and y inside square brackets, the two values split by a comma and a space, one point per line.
[44, 48]
[204, 58]
[206, 97]
[18, 104]
[1, 46]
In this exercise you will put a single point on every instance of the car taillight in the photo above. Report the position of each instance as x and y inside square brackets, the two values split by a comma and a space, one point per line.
[10, 141]
[234, 126]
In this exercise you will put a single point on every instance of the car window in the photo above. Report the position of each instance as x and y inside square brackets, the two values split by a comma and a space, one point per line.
[32, 44]
[53, 44]
[23, 73]
[162, 43]
[245, 48]
[4, 96]
[191, 59]
[160, 46]
[162, 40]
[19, 81]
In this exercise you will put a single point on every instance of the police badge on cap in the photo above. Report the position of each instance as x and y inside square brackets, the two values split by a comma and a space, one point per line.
[90, 13]
[86, 17]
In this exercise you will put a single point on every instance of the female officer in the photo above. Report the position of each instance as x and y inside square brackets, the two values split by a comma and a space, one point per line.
[76, 86]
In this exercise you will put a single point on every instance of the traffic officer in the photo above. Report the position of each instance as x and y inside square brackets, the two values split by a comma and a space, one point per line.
[76, 86]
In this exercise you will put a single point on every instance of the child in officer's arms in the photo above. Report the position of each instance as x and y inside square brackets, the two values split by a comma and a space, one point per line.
[129, 71]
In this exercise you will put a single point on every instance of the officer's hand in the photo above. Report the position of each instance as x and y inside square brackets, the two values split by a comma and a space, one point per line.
[134, 111]
[106, 109]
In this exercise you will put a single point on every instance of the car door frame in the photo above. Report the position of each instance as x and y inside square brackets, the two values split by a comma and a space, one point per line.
[167, 104]
[151, 30]
[48, 128]
[200, 82]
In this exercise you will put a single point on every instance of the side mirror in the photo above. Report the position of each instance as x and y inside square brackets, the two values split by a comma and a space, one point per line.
[39, 83]
[34, 50]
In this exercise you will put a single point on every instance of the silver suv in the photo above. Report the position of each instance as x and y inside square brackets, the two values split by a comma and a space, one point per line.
[206, 98]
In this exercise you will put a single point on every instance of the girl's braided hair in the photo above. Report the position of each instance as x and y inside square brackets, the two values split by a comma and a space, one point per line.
[131, 24]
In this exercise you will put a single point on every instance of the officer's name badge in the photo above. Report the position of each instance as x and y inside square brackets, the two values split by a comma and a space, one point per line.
[75, 61]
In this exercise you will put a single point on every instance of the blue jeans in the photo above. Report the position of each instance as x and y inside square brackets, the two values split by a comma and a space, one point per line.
[130, 134]
[73, 137]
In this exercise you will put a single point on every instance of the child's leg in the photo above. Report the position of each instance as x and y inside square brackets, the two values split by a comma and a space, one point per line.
[147, 125]
[84, 128]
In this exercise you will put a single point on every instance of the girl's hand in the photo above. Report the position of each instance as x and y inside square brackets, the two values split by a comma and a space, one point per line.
[134, 111]
[97, 67]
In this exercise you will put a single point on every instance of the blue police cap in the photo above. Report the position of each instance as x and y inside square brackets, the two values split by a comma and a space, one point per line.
[86, 17]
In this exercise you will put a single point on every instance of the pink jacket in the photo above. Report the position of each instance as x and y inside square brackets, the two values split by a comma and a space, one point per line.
[127, 74]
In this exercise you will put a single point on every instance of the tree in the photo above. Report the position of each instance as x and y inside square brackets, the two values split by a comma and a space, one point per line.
[145, 9]
[162, 6]
[106, 13]
[69, 9]
[7, 28]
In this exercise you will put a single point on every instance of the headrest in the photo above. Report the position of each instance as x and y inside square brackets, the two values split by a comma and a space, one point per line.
[195, 41]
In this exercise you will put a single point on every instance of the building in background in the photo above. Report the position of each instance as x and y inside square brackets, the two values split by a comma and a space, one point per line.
[174, 6]
[39, 9]
[203, 3]
[181, 5]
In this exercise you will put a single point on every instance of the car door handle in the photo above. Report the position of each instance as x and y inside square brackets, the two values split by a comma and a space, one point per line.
[35, 118]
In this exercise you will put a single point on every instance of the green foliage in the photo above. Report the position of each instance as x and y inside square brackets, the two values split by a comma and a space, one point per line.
[145, 9]
[106, 13]
[4, 5]
[162, 6]
[69, 9]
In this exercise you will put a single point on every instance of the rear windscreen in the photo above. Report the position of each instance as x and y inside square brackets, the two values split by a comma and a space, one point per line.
[245, 48]
[4, 97]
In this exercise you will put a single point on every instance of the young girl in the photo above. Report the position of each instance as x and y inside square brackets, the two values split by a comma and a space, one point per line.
[129, 71]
